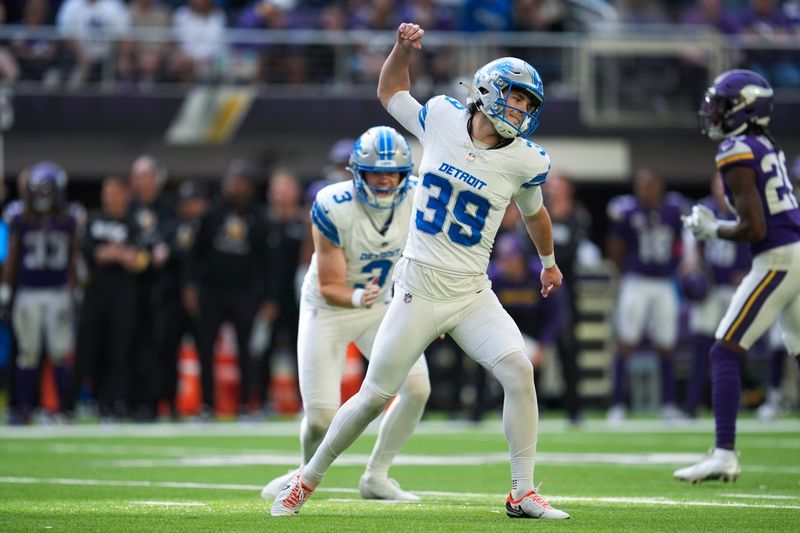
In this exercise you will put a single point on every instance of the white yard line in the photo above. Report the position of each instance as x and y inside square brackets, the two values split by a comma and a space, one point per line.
[170, 504]
[630, 460]
[760, 496]
[130, 483]
[473, 459]
[128, 449]
[646, 501]
[291, 428]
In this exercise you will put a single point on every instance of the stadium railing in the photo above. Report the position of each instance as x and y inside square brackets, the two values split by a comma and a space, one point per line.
[623, 76]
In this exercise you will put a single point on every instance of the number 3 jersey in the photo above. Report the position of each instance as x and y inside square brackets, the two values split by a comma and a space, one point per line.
[343, 219]
[460, 200]
[774, 187]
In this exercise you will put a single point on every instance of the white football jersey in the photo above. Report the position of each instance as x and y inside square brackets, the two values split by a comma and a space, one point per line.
[460, 200]
[342, 218]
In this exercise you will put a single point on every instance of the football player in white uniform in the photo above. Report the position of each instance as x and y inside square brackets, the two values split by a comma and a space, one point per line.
[476, 160]
[360, 227]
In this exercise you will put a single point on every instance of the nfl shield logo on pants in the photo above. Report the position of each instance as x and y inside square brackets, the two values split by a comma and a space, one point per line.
[407, 298]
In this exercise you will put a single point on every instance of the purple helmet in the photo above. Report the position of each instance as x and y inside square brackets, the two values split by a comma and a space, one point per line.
[736, 100]
[46, 187]
[509, 246]
[694, 286]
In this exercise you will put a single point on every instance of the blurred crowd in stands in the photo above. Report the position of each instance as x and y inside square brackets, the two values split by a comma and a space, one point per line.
[94, 38]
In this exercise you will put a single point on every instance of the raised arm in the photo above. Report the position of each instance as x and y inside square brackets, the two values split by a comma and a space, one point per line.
[394, 73]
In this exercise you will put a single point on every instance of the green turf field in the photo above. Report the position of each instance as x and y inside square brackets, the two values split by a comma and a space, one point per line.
[186, 477]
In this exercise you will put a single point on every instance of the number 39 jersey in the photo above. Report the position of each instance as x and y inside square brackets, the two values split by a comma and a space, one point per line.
[462, 195]
[342, 219]
[774, 187]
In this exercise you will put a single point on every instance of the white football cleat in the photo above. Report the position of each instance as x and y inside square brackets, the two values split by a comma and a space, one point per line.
[719, 464]
[672, 414]
[771, 408]
[372, 488]
[767, 412]
[274, 487]
[616, 415]
[532, 505]
[291, 498]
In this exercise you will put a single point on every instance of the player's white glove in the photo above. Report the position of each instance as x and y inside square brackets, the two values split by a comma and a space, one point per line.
[701, 222]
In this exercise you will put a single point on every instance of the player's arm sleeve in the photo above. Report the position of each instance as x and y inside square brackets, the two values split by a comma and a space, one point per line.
[332, 272]
[408, 112]
[735, 152]
[529, 200]
[322, 217]
[616, 211]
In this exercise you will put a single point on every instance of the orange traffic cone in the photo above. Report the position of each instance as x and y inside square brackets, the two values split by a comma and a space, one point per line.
[283, 386]
[189, 393]
[226, 373]
[48, 396]
[353, 372]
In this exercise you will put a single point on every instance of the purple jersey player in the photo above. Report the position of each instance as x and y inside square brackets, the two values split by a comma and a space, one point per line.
[515, 280]
[645, 243]
[40, 268]
[736, 111]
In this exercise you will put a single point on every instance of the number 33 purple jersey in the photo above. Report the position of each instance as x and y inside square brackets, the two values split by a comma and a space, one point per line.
[44, 249]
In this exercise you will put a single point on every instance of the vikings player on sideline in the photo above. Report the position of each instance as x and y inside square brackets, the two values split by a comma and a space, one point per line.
[476, 160]
[360, 227]
[41, 269]
[736, 111]
[645, 244]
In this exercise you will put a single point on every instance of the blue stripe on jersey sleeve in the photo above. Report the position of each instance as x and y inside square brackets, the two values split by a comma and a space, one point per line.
[423, 114]
[539, 179]
[325, 224]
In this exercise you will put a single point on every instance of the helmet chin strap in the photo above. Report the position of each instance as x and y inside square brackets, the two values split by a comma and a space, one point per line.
[383, 200]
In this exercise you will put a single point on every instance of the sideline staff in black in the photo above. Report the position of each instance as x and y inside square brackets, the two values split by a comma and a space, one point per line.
[108, 314]
[231, 272]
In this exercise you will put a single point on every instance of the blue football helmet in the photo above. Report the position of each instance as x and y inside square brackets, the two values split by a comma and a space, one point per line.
[46, 187]
[381, 149]
[737, 99]
[490, 89]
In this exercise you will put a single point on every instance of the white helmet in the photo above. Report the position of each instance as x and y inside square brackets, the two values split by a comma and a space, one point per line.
[381, 149]
[488, 93]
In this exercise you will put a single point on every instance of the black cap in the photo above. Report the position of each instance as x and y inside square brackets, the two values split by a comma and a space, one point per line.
[244, 169]
[189, 190]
